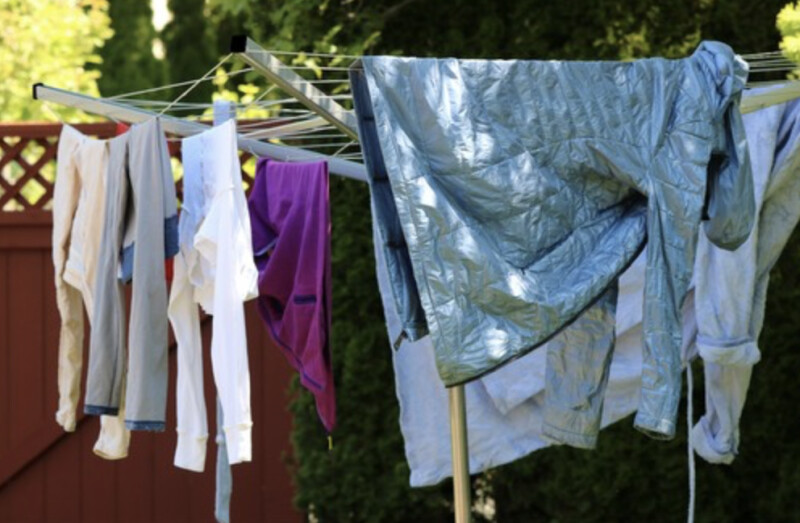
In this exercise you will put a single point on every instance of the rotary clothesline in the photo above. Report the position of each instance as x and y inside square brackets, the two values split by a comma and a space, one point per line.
[326, 119]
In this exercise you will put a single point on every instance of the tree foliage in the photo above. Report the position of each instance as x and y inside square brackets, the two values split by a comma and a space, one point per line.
[53, 42]
[128, 60]
[789, 26]
[191, 47]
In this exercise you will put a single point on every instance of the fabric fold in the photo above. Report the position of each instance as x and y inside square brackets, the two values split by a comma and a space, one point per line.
[290, 215]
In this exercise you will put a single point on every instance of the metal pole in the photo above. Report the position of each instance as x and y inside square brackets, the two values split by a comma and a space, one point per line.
[462, 495]
[295, 85]
[223, 111]
[117, 110]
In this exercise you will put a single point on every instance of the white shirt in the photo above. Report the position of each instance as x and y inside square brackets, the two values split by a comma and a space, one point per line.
[215, 269]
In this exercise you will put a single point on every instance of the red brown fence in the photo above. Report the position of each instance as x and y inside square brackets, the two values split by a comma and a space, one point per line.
[49, 475]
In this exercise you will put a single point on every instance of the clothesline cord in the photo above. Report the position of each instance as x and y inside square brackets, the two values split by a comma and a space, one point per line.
[256, 101]
[203, 78]
[196, 83]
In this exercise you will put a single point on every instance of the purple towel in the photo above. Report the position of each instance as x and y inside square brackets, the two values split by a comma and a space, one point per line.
[290, 219]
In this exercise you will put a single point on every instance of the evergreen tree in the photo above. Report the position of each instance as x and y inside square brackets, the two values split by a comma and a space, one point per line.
[191, 48]
[128, 60]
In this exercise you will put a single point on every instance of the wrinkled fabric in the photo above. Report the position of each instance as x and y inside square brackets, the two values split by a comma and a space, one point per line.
[578, 363]
[521, 195]
[393, 243]
[502, 425]
[214, 269]
[79, 210]
[79, 191]
[143, 181]
[727, 303]
[731, 287]
[290, 214]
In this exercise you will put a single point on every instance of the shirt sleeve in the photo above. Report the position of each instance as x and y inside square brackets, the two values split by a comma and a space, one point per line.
[192, 425]
[224, 239]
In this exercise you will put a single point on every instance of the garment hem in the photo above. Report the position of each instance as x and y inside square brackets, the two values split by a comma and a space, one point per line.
[562, 436]
[149, 426]
[100, 410]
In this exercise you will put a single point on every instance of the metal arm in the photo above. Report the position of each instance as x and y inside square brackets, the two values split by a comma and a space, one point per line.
[754, 102]
[294, 85]
[120, 111]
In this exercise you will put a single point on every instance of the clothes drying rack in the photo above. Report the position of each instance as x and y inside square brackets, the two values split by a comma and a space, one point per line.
[328, 109]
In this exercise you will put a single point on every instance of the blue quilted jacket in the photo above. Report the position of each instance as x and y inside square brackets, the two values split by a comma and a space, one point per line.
[510, 194]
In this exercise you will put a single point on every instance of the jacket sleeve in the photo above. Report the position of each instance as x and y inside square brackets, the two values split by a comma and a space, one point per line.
[69, 301]
[224, 239]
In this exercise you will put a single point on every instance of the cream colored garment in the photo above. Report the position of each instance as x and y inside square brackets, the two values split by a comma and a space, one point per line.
[78, 207]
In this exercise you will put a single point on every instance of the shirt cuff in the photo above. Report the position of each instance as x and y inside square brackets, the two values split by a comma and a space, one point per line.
[741, 352]
[66, 418]
[656, 428]
[190, 453]
[238, 440]
[704, 445]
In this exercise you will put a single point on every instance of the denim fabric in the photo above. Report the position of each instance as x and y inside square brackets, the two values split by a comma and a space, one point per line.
[171, 248]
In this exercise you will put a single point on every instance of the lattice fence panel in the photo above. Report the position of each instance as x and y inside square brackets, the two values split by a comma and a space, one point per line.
[26, 173]
[28, 163]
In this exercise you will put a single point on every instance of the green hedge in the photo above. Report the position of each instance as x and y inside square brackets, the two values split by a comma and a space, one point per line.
[628, 477]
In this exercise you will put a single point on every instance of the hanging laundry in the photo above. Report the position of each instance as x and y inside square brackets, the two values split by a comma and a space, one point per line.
[173, 149]
[386, 218]
[78, 211]
[139, 233]
[79, 192]
[504, 410]
[723, 315]
[214, 268]
[290, 215]
[731, 287]
[522, 196]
